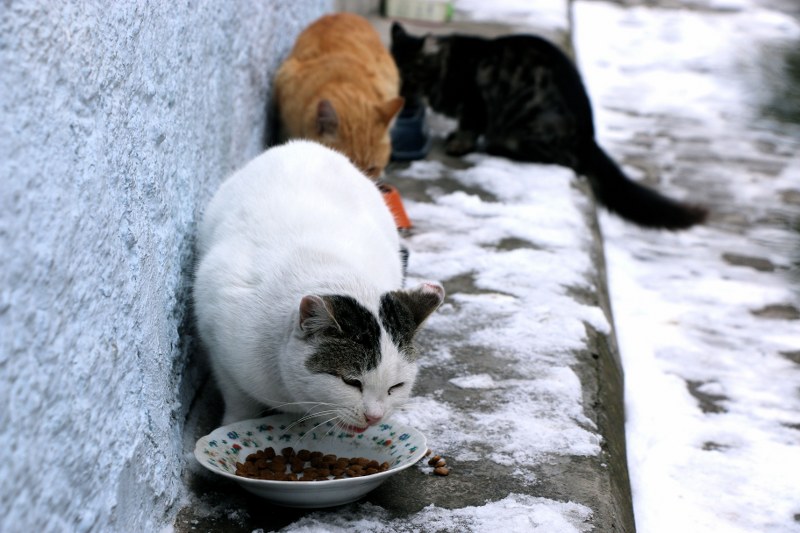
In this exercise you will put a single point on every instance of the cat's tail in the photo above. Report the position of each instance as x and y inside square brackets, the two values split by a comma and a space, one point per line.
[632, 201]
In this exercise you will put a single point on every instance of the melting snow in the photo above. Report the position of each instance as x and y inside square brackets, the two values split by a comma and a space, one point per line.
[513, 513]
[522, 312]
[712, 404]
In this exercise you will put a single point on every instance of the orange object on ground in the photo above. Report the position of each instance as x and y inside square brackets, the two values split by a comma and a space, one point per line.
[395, 204]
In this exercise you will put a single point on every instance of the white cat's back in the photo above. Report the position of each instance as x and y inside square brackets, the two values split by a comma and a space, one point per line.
[298, 290]
[301, 188]
[302, 194]
[298, 219]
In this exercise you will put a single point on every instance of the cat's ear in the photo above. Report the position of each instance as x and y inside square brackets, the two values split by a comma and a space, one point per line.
[315, 315]
[327, 119]
[398, 32]
[422, 300]
[387, 110]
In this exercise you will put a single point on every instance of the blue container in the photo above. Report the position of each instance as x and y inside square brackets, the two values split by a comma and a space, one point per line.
[411, 138]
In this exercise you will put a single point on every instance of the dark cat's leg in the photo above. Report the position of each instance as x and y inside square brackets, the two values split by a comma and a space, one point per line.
[471, 125]
[461, 142]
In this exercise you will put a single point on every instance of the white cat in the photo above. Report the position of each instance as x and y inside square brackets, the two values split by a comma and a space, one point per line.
[298, 291]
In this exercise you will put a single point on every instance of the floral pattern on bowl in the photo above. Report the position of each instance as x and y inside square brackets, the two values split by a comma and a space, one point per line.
[399, 445]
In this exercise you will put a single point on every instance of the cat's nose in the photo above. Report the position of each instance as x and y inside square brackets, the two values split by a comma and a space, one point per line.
[372, 419]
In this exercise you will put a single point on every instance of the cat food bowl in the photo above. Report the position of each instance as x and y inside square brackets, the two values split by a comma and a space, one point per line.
[398, 445]
[411, 139]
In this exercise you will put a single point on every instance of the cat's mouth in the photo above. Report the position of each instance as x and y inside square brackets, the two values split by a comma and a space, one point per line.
[355, 429]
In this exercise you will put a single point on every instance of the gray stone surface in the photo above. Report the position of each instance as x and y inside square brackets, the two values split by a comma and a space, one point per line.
[118, 121]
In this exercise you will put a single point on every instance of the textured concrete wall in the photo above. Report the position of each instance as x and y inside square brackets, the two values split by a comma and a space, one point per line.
[119, 120]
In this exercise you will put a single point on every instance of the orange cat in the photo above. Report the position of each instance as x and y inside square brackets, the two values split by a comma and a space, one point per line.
[339, 86]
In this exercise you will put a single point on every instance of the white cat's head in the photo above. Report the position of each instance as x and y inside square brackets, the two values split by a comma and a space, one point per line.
[359, 365]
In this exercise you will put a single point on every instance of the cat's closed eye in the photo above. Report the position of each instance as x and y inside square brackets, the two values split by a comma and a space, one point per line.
[393, 387]
[352, 382]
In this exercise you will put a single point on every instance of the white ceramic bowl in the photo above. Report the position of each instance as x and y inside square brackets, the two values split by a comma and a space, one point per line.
[399, 445]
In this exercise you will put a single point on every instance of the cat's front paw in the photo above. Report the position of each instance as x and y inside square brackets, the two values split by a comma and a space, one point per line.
[461, 142]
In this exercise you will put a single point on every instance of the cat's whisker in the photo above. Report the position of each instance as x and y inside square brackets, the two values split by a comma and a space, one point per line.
[323, 411]
[318, 415]
[338, 425]
[315, 427]
[326, 421]
[309, 417]
[333, 429]
[318, 404]
[286, 404]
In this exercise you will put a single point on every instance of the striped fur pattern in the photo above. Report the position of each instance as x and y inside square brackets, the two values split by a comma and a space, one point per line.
[524, 99]
[339, 86]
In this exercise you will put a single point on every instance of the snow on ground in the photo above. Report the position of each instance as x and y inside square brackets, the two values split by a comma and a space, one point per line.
[521, 314]
[705, 319]
[550, 14]
[515, 512]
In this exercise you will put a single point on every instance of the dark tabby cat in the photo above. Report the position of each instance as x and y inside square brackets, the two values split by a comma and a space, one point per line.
[528, 101]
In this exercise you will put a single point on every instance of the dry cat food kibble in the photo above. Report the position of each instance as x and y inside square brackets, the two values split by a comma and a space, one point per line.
[438, 463]
[305, 465]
